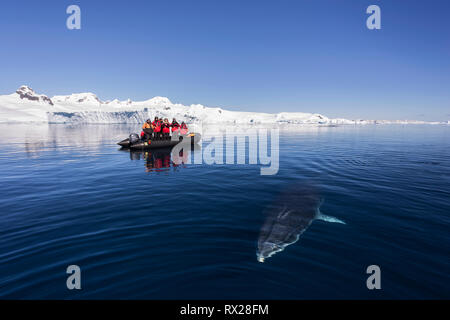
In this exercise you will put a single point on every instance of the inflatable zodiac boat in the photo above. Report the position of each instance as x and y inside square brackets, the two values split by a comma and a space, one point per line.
[133, 142]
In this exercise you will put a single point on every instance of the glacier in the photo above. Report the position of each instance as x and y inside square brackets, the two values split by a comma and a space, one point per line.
[25, 105]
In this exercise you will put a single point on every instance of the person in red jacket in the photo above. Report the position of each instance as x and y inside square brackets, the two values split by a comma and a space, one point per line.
[165, 125]
[183, 128]
[157, 128]
[175, 125]
[147, 130]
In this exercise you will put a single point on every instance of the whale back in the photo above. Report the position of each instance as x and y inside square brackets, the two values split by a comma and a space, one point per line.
[290, 214]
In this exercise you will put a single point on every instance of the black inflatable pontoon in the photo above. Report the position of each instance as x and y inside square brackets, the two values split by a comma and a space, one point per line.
[135, 143]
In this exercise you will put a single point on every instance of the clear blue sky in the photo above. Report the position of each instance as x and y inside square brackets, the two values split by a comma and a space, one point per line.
[268, 56]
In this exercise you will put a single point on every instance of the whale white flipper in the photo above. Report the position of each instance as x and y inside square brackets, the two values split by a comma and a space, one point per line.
[326, 218]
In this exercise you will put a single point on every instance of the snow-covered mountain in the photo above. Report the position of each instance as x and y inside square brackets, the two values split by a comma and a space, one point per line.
[27, 106]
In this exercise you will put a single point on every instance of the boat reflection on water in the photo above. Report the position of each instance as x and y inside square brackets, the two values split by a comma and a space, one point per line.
[163, 159]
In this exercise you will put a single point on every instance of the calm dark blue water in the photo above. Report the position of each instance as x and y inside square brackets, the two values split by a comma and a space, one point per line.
[140, 229]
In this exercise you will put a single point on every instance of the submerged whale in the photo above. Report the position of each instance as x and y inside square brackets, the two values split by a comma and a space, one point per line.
[287, 218]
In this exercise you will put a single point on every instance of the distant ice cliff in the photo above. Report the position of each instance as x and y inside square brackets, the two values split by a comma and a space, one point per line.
[25, 105]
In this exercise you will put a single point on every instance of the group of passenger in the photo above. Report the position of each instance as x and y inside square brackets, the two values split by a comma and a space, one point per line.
[160, 129]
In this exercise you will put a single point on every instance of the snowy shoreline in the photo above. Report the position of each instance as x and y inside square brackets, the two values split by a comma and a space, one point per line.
[26, 106]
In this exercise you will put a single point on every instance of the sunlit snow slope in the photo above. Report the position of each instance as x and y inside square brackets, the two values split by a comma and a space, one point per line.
[25, 105]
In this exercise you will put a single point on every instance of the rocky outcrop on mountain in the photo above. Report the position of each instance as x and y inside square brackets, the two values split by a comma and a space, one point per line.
[27, 93]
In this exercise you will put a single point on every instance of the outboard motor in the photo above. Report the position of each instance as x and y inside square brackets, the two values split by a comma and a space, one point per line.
[134, 138]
